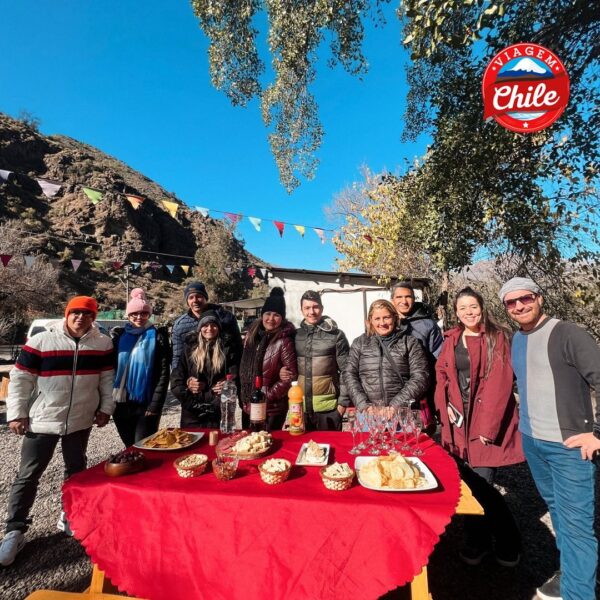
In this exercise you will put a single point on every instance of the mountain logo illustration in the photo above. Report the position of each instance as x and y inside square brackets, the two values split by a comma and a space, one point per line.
[525, 88]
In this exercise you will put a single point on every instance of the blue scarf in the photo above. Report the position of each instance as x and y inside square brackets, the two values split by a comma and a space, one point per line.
[140, 357]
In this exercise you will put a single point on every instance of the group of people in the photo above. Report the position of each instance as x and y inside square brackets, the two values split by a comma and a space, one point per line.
[71, 377]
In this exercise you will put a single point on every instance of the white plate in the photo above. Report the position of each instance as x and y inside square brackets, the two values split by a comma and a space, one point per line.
[301, 459]
[196, 435]
[430, 480]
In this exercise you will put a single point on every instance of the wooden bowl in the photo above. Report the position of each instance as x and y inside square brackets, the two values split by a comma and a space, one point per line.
[118, 469]
[274, 477]
[191, 470]
[337, 484]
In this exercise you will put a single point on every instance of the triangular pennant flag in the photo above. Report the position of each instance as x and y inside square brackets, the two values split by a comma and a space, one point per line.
[94, 195]
[300, 229]
[5, 258]
[171, 207]
[135, 201]
[280, 227]
[185, 268]
[368, 238]
[171, 268]
[5, 175]
[256, 222]
[50, 188]
[154, 266]
[99, 264]
[320, 233]
[251, 271]
[29, 260]
[263, 272]
[117, 264]
[228, 270]
[203, 211]
[233, 217]
[135, 266]
[76, 263]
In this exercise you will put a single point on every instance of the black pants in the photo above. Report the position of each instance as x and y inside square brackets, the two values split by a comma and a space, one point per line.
[132, 423]
[324, 421]
[497, 528]
[36, 452]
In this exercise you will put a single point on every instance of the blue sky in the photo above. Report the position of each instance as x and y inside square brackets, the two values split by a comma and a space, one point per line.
[131, 78]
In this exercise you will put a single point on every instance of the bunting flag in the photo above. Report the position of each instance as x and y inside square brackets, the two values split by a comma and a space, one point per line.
[135, 201]
[50, 188]
[233, 217]
[203, 211]
[94, 195]
[171, 268]
[5, 175]
[300, 229]
[135, 265]
[75, 263]
[5, 258]
[251, 271]
[171, 207]
[29, 260]
[263, 272]
[116, 265]
[368, 238]
[228, 270]
[256, 222]
[154, 266]
[320, 233]
[185, 268]
[280, 227]
[99, 264]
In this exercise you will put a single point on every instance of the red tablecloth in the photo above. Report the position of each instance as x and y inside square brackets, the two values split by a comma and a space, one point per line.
[158, 536]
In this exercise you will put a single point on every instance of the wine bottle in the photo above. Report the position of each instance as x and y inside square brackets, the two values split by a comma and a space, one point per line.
[258, 407]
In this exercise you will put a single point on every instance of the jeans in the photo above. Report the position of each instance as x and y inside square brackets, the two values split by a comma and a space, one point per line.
[497, 528]
[132, 422]
[566, 483]
[36, 452]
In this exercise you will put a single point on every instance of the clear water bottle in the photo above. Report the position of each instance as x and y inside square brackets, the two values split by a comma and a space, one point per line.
[229, 401]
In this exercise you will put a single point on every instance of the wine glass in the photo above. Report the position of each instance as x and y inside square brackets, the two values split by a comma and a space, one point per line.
[354, 428]
[406, 425]
[361, 424]
[417, 423]
[372, 424]
[392, 424]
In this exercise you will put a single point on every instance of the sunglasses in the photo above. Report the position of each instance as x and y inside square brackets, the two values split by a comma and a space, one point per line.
[136, 315]
[524, 300]
[83, 313]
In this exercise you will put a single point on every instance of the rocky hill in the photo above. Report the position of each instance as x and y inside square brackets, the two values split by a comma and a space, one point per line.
[70, 227]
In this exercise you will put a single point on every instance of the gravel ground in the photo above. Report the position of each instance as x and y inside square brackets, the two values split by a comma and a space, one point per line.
[52, 560]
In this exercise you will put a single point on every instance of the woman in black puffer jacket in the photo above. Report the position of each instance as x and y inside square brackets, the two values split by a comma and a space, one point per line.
[371, 379]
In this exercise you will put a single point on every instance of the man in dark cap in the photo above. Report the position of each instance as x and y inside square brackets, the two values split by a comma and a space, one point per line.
[555, 363]
[196, 298]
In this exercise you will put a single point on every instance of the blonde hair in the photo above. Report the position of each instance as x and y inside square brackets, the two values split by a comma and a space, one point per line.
[378, 304]
[209, 355]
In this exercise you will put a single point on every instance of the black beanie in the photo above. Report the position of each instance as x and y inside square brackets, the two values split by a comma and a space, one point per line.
[195, 287]
[209, 316]
[275, 302]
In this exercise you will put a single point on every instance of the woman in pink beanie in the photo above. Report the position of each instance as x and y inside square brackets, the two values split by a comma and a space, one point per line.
[143, 356]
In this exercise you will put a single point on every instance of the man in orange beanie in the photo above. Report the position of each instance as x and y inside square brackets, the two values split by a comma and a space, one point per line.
[70, 368]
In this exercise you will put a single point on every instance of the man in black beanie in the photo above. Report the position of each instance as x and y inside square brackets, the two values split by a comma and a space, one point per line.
[196, 298]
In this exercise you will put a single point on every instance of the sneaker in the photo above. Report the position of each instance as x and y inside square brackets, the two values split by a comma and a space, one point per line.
[551, 589]
[508, 558]
[63, 524]
[11, 545]
[472, 555]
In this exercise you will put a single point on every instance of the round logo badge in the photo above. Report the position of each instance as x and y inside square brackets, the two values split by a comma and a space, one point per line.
[525, 88]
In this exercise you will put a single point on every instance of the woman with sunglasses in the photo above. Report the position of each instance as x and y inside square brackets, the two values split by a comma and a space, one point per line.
[478, 415]
[143, 357]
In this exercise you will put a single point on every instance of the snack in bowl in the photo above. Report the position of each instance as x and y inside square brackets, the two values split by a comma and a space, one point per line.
[337, 477]
[391, 472]
[275, 470]
[169, 438]
[191, 465]
[225, 467]
[124, 463]
[314, 453]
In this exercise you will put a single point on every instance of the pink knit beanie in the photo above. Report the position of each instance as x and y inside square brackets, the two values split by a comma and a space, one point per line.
[138, 302]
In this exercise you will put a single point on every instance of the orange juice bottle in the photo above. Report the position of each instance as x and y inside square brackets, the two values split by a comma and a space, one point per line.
[296, 409]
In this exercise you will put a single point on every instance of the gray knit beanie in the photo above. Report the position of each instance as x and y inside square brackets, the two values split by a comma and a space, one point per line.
[519, 283]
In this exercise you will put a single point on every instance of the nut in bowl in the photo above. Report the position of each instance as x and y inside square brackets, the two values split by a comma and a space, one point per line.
[337, 477]
[225, 467]
[191, 465]
[275, 470]
[125, 463]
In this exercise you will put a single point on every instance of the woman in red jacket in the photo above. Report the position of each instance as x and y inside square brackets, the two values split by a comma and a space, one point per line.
[479, 420]
[269, 347]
